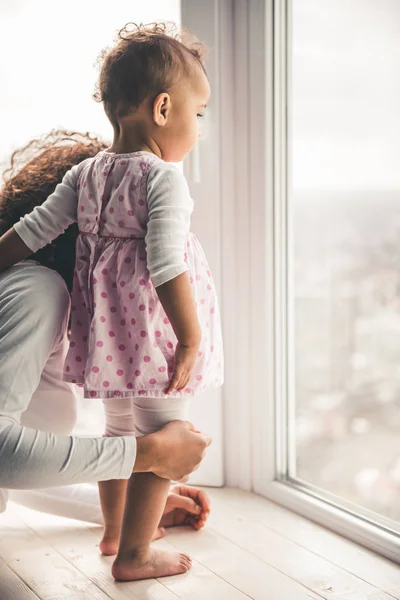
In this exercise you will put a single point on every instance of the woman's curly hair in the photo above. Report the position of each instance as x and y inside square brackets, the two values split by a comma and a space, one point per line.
[32, 175]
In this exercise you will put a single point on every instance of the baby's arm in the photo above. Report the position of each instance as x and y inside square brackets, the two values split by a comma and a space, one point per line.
[170, 206]
[43, 224]
[177, 300]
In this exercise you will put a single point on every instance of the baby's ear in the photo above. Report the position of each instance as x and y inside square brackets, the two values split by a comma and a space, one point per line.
[161, 109]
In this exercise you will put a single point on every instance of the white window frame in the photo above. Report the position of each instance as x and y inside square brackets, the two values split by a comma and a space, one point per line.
[269, 50]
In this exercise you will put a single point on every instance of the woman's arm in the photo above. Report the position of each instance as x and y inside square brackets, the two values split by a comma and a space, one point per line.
[12, 249]
[43, 224]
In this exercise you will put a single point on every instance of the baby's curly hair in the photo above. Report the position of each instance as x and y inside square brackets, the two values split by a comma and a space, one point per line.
[32, 175]
[146, 60]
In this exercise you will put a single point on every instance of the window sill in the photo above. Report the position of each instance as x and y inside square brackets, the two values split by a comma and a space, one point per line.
[355, 528]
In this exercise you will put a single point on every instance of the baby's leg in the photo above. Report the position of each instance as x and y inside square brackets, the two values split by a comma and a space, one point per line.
[145, 502]
[119, 421]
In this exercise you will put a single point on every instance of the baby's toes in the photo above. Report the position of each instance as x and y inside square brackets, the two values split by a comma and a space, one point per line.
[185, 561]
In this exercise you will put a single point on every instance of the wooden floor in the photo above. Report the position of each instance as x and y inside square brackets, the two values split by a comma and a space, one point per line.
[251, 548]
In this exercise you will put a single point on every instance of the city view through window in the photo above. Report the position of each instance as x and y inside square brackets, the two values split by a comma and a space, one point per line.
[345, 218]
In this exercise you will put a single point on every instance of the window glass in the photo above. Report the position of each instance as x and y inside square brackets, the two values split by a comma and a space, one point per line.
[344, 198]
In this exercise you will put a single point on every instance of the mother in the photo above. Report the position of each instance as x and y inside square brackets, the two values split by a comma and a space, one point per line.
[37, 408]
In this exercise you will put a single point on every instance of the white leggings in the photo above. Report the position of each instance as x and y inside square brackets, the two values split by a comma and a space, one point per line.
[139, 416]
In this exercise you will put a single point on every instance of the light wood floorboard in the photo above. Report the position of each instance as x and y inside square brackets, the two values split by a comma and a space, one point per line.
[251, 548]
[351, 557]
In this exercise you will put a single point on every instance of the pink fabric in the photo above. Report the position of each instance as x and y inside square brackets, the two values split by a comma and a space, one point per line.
[122, 343]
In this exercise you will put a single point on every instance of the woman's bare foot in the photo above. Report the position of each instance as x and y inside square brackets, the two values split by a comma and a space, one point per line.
[109, 544]
[154, 563]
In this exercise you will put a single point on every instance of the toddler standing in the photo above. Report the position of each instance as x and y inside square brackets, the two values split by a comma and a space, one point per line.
[145, 328]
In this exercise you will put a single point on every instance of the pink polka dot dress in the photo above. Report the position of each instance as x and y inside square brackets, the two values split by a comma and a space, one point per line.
[122, 343]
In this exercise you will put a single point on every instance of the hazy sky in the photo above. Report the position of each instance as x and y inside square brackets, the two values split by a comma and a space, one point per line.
[47, 56]
[346, 94]
[345, 67]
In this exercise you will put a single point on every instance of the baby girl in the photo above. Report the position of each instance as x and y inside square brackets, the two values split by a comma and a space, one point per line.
[145, 326]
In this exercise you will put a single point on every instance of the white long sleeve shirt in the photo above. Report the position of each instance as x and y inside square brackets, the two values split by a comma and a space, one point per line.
[34, 309]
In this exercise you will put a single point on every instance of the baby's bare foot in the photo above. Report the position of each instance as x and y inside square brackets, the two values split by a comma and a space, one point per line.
[155, 563]
[110, 540]
[109, 544]
[160, 533]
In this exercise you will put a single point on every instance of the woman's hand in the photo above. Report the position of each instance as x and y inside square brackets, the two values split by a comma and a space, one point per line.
[173, 452]
[185, 359]
[186, 505]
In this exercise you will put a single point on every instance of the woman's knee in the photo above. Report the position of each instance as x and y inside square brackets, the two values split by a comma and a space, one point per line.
[53, 411]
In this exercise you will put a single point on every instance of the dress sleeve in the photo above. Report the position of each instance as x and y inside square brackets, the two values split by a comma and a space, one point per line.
[170, 207]
[54, 216]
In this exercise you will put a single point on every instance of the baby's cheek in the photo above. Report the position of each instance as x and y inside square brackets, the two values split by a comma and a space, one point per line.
[192, 137]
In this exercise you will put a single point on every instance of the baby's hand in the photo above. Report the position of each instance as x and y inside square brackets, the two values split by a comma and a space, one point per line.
[185, 358]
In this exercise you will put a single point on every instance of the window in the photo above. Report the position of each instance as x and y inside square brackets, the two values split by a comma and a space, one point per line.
[343, 211]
